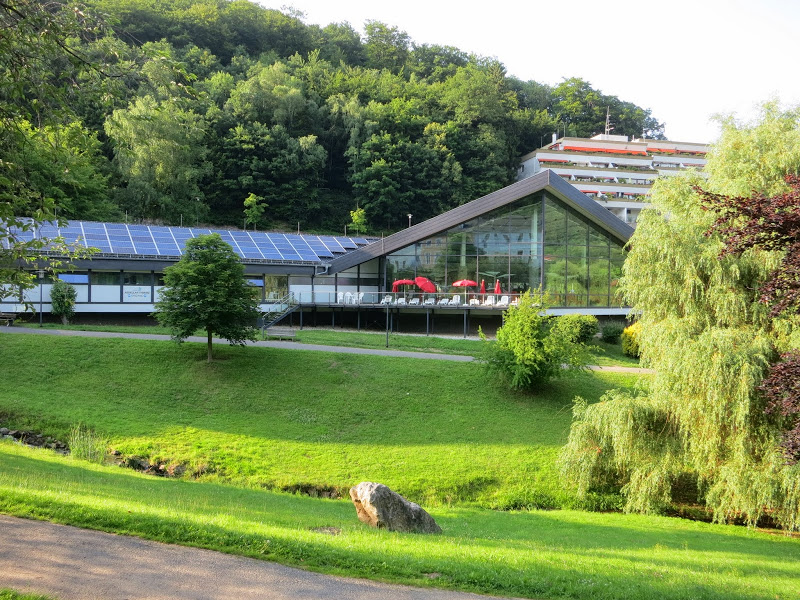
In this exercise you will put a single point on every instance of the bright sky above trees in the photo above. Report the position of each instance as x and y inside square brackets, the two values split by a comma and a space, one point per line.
[683, 59]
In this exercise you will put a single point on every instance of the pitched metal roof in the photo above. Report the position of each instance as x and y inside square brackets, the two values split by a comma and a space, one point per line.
[545, 180]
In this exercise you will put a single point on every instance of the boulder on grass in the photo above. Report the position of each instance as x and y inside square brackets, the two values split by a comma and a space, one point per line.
[380, 507]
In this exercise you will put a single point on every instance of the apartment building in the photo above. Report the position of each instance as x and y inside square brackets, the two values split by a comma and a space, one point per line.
[613, 170]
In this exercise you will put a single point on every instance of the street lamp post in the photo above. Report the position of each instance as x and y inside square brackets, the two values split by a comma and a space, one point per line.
[409, 219]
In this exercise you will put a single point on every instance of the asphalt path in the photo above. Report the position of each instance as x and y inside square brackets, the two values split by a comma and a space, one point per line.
[261, 344]
[78, 564]
[287, 345]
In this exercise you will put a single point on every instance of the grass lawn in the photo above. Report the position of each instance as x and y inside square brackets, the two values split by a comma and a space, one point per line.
[440, 433]
[533, 554]
[260, 420]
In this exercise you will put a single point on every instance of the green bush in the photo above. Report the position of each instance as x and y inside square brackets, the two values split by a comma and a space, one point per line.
[586, 326]
[532, 348]
[63, 296]
[611, 333]
[630, 340]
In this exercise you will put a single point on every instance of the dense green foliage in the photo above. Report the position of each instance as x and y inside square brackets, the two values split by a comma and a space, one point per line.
[630, 340]
[710, 340]
[533, 347]
[585, 325]
[206, 289]
[611, 333]
[62, 297]
[180, 111]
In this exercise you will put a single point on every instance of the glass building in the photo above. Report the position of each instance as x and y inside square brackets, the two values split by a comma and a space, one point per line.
[536, 241]
[537, 232]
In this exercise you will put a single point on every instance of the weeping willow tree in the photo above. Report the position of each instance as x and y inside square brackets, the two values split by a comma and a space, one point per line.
[711, 342]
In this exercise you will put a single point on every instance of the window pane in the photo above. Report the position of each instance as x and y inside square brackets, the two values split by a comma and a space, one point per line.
[555, 223]
[134, 278]
[555, 279]
[105, 278]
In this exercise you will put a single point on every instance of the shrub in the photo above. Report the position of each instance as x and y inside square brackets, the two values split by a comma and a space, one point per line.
[611, 333]
[586, 326]
[63, 296]
[630, 340]
[86, 444]
[532, 347]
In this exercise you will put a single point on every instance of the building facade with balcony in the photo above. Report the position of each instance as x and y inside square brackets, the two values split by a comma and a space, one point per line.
[613, 170]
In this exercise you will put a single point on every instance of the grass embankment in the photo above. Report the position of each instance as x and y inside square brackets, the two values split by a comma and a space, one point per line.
[602, 353]
[259, 419]
[538, 554]
[280, 419]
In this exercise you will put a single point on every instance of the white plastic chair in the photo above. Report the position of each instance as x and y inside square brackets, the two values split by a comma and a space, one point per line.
[429, 302]
[359, 298]
[386, 300]
[444, 302]
[413, 302]
[401, 302]
[456, 301]
[348, 298]
[503, 301]
[474, 302]
[489, 301]
[340, 298]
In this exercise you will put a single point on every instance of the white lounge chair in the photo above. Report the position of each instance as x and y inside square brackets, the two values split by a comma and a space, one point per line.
[503, 302]
[386, 300]
[456, 301]
[401, 302]
[474, 302]
[443, 302]
[489, 301]
[413, 302]
[429, 302]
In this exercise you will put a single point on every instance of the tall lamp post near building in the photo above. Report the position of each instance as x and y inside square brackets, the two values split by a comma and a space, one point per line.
[409, 219]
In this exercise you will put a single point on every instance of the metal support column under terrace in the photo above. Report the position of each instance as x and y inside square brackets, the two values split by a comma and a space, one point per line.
[427, 322]
[466, 312]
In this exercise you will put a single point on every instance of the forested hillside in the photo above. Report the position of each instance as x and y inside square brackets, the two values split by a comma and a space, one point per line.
[223, 112]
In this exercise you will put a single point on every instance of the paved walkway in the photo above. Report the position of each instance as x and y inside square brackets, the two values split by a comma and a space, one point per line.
[288, 345]
[263, 344]
[79, 564]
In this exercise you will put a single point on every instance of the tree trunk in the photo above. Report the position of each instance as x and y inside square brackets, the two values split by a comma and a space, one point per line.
[209, 344]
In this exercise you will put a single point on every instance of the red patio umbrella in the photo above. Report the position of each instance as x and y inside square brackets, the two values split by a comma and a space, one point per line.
[465, 283]
[483, 286]
[400, 282]
[425, 284]
[497, 289]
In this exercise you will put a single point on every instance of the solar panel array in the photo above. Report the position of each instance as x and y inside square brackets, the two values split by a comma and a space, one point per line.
[162, 241]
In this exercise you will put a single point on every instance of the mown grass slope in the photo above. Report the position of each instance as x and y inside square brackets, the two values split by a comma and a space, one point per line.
[532, 554]
[438, 432]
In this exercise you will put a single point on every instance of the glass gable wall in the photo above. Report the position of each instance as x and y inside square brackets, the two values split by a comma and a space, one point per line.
[536, 241]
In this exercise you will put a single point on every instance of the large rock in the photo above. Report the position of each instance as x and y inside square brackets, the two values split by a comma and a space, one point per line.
[380, 507]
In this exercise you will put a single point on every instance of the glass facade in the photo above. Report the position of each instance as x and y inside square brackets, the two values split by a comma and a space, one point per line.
[536, 241]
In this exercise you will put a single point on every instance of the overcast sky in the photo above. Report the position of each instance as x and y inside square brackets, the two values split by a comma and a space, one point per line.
[685, 60]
